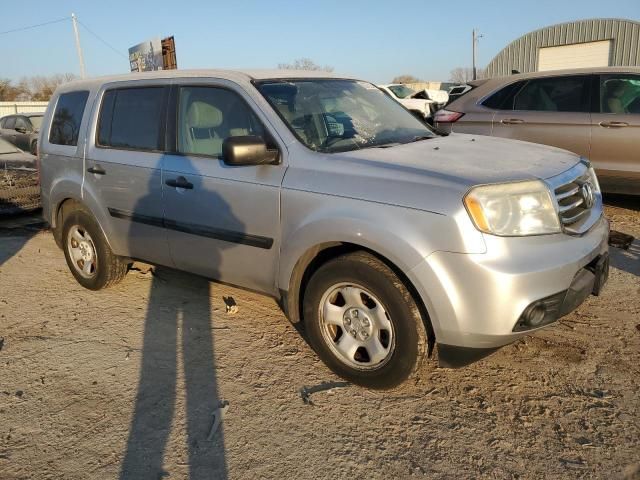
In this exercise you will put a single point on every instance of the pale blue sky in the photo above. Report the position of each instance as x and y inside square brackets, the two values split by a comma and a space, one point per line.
[374, 40]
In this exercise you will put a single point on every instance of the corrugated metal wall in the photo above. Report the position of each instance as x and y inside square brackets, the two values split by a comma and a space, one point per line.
[522, 54]
[8, 108]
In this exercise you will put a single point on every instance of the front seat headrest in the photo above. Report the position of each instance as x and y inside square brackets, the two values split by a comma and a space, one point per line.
[203, 115]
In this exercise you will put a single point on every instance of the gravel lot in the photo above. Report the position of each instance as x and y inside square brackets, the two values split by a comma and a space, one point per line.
[124, 382]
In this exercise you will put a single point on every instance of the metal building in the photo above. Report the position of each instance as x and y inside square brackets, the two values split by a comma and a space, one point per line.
[586, 43]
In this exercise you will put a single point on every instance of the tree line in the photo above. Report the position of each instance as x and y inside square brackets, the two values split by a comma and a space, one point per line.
[38, 88]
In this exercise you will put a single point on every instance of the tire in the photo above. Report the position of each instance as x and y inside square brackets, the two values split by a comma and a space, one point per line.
[88, 255]
[347, 329]
[33, 147]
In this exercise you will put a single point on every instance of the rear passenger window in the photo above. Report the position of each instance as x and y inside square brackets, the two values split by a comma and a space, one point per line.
[10, 123]
[556, 94]
[67, 118]
[131, 118]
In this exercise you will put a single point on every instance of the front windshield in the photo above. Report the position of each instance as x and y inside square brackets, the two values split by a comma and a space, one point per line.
[401, 91]
[36, 121]
[330, 115]
[6, 147]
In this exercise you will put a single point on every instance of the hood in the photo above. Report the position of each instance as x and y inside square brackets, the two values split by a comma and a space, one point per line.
[17, 160]
[432, 174]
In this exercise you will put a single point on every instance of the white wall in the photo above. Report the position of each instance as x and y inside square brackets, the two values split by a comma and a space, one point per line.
[9, 108]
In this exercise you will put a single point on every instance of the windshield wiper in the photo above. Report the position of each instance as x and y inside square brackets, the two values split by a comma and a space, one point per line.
[423, 137]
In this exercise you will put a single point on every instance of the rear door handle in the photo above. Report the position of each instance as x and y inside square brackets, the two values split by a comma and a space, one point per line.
[179, 182]
[98, 170]
[511, 121]
[613, 124]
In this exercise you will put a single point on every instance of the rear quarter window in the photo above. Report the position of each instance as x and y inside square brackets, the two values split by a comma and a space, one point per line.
[503, 98]
[67, 118]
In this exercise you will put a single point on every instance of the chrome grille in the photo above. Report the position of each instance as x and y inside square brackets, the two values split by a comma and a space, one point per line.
[579, 205]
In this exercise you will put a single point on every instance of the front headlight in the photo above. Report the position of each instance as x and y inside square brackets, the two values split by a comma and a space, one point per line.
[513, 209]
[594, 179]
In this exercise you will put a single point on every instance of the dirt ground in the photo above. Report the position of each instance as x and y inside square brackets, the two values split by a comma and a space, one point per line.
[125, 382]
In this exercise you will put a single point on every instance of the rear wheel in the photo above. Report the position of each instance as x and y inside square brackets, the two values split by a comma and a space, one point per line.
[363, 322]
[88, 255]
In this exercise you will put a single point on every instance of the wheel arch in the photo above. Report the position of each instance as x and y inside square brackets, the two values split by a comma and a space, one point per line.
[62, 208]
[314, 257]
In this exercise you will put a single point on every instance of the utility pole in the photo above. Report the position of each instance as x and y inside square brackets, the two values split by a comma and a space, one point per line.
[74, 20]
[474, 42]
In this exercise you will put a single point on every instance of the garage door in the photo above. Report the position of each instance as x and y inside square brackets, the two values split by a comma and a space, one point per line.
[578, 55]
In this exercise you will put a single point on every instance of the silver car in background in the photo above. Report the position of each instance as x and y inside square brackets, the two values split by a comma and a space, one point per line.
[380, 236]
[592, 112]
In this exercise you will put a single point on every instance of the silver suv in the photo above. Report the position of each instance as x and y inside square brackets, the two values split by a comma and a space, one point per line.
[380, 236]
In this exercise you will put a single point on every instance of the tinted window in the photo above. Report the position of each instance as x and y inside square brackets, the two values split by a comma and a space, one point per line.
[207, 116]
[503, 97]
[10, 122]
[22, 123]
[557, 94]
[67, 118]
[132, 118]
[620, 94]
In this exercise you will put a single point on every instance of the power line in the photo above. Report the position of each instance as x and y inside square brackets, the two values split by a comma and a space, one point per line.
[35, 26]
[102, 40]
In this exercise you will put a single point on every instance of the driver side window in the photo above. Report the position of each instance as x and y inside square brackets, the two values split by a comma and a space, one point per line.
[207, 116]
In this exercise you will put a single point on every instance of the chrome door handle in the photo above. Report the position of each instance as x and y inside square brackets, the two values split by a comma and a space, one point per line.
[613, 124]
[511, 121]
[179, 182]
[98, 170]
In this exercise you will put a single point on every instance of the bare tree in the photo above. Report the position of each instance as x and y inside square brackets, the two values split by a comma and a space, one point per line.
[405, 79]
[10, 92]
[304, 64]
[38, 88]
[464, 75]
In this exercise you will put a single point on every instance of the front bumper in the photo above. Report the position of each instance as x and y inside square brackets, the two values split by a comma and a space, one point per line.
[476, 300]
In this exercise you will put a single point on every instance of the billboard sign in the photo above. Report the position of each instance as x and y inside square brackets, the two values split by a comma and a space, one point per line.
[146, 56]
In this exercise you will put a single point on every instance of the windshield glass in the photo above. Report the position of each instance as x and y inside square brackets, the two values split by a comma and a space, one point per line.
[6, 147]
[36, 121]
[401, 91]
[339, 115]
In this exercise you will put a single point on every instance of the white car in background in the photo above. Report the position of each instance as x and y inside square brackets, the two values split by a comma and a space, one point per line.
[421, 107]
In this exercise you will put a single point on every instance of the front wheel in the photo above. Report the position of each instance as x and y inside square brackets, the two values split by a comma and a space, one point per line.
[87, 252]
[363, 322]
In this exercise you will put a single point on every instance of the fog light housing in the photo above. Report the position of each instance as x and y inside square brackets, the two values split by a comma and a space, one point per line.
[541, 312]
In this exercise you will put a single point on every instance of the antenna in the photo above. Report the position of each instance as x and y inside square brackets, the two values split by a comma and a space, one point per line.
[74, 20]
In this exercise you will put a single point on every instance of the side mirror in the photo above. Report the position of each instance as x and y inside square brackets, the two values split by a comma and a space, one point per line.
[20, 130]
[247, 150]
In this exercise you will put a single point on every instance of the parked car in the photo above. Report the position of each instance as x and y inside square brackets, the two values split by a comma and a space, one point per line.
[19, 190]
[592, 112]
[381, 237]
[421, 107]
[22, 130]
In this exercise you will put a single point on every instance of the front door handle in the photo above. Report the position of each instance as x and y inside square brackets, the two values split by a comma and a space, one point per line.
[511, 121]
[98, 170]
[180, 182]
[613, 124]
